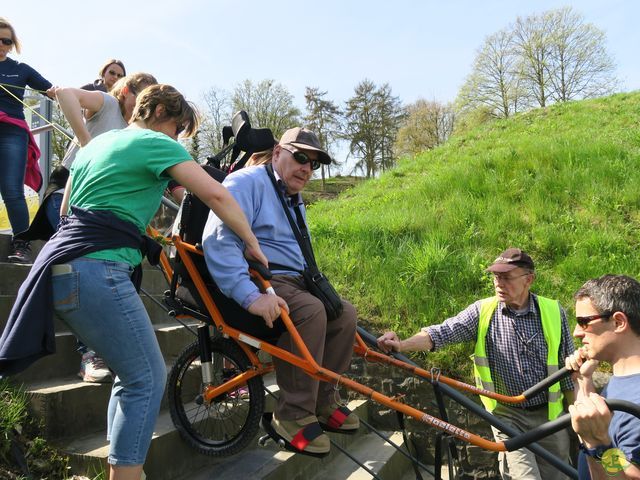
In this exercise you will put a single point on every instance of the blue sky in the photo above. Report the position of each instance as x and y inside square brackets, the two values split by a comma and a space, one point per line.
[423, 49]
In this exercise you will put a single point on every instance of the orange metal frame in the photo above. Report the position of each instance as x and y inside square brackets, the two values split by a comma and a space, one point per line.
[305, 361]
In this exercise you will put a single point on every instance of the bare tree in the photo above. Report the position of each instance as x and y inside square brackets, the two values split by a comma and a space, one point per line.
[60, 142]
[390, 115]
[323, 118]
[426, 125]
[495, 82]
[216, 114]
[543, 58]
[580, 66]
[532, 39]
[269, 105]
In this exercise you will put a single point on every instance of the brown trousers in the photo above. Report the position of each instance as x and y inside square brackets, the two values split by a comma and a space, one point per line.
[330, 344]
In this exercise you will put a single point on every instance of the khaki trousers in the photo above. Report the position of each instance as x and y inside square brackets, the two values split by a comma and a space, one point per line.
[523, 464]
[330, 344]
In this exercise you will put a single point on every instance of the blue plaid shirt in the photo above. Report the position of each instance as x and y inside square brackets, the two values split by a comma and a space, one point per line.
[515, 346]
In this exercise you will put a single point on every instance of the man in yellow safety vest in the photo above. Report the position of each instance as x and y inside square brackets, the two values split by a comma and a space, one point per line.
[521, 338]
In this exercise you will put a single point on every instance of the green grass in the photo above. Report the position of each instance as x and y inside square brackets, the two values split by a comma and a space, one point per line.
[316, 191]
[410, 248]
[19, 432]
[13, 413]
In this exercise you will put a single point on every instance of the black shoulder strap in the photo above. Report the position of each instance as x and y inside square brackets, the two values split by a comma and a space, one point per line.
[300, 230]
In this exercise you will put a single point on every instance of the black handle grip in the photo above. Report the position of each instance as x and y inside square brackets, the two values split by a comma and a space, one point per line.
[368, 338]
[544, 384]
[563, 422]
[261, 269]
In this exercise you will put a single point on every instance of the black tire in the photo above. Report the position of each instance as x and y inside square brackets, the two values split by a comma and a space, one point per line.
[228, 423]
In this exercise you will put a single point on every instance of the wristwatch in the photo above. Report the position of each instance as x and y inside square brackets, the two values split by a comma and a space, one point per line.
[596, 452]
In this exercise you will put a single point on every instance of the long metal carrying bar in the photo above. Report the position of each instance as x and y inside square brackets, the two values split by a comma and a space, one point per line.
[306, 362]
[518, 440]
[241, 128]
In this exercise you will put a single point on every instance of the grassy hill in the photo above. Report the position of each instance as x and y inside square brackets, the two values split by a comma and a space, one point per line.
[563, 183]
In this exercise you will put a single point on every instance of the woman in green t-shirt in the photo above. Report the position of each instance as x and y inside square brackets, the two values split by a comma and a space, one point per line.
[125, 172]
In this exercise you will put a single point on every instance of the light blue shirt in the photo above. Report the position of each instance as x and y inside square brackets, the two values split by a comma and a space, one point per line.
[223, 249]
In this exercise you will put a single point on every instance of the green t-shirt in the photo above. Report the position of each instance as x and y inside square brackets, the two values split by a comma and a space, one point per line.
[124, 172]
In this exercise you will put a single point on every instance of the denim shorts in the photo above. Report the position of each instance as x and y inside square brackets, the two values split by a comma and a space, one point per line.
[98, 302]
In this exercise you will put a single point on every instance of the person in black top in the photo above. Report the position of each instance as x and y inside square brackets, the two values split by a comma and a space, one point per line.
[111, 71]
[18, 152]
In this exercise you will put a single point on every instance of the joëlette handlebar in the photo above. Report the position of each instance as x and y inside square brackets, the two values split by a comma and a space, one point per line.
[537, 433]
[563, 422]
[542, 386]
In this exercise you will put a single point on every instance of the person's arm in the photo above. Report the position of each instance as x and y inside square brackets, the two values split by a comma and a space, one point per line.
[178, 193]
[72, 101]
[391, 342]
[582, 375]
[64, 206]
[36, 81]
[461, 328]
[217, 198]
[590, 419]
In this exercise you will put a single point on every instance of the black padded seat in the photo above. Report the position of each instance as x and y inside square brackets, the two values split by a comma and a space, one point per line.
[192, 222]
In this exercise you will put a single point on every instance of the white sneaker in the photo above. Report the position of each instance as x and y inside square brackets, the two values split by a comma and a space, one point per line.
[93, 369]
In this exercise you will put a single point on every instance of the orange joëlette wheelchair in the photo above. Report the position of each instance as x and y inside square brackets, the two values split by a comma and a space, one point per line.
[215, 389]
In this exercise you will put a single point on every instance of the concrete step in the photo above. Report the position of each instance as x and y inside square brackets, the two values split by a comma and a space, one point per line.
[68, 406]
[13, 275]
[270, 462]
[169, 456]
[410, 474]
[377, 455]
[171, 336]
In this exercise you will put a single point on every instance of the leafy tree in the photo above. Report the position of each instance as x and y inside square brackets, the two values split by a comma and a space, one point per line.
[425, 126]
[371, 121]
[323, 118]
[269, 105]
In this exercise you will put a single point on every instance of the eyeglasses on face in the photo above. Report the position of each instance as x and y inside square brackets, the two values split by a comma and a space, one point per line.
[6, 41]
[586, 320]
[302, 158]
[498, 277]
[117, 74]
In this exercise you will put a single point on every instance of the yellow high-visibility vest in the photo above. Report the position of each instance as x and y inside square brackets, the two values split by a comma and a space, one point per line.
[552, 329]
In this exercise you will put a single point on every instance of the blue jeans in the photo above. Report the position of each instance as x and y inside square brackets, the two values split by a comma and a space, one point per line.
[13, 162]
[99, 303]
[52, 209]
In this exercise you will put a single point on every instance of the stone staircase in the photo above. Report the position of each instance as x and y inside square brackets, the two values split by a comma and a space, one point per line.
[73, 414]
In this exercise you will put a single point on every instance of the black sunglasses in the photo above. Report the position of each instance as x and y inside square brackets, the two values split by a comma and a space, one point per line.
[585, 321]
[112, 72]
[6, 41]
[302, 158]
